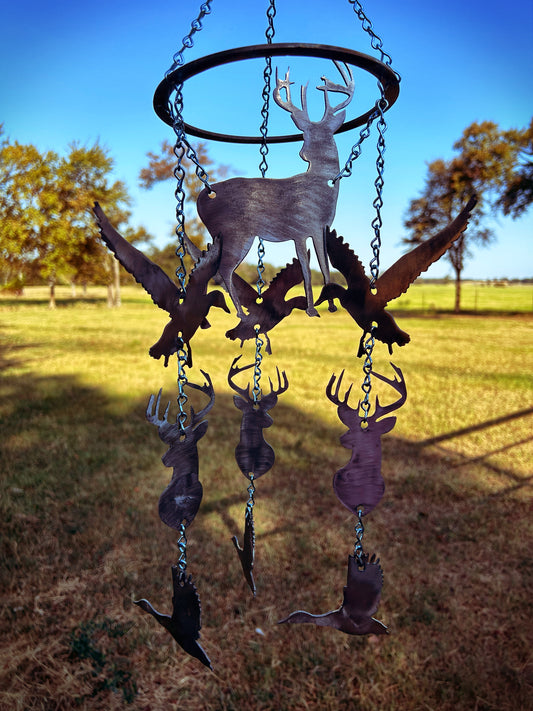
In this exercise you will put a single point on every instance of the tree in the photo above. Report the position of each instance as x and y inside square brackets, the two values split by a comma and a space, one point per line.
[487, 164]
[26, 177]
[161, 168]
[518, 193]
[46, 222]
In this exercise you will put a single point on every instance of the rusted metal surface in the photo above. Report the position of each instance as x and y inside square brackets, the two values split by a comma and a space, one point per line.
[272, 308]
[185, 622]
[253, 453]
[188, 311]
[366, 307]
[181, 500]
[279, 210]
[360, 483]
[361, 600]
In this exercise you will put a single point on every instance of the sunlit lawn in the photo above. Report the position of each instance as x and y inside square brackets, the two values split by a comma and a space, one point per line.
[81, 538]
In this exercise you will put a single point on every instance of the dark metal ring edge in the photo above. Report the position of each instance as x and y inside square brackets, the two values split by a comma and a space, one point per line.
[381, 71]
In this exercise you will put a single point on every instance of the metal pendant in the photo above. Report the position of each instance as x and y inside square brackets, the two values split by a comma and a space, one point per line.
[361, 599]
[185, 622]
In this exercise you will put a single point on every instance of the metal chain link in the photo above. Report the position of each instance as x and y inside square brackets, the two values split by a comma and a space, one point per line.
[267, 75]
[182, 549]
[196, 26]
[251, 500]
[375, 40]
[182, 381]
[359, 531]
[263, 167]
[380, 105]
[182, 147]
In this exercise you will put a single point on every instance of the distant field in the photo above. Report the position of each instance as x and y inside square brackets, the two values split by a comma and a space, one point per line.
[80, 537]
[476, 297]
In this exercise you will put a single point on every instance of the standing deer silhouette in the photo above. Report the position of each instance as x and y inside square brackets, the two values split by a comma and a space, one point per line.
[278, 210]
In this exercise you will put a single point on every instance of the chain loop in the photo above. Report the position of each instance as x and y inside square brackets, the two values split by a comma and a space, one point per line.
[183, 148]
[267, 75]
[375, 40]
[263, 167]
[380, 105]
[251, 500]
[359, 531]
[182, 381]
[182, 549]
[187, 41]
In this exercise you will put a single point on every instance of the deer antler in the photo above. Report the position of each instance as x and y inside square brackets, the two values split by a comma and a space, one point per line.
[299, 116]
[234, 370]
[334, 396]
[347, 88]
[208, 389]
[268, 401]
[153, 415]
[398, 385]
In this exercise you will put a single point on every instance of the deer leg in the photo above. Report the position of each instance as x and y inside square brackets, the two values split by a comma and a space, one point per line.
[228, 264]
[322, 256]
[303, 258]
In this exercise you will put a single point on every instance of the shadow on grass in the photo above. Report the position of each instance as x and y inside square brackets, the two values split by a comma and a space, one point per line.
[81, 539]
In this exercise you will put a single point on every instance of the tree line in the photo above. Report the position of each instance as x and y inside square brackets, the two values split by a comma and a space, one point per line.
[48, 234]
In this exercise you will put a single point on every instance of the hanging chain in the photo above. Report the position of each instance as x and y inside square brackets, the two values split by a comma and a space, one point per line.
[182, 147]
[187, 41]
[263, 167]
[267, 74]
[359, 531]
[380, 105]
[251, 500]
[182, 549]
[378, 112]
[375, 41]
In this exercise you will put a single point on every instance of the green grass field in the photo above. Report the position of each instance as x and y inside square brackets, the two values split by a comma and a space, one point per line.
[81, 538]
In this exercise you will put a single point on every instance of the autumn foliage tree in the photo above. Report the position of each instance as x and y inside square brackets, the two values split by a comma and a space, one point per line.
[46, 224]
[161, 168]
[490, 164]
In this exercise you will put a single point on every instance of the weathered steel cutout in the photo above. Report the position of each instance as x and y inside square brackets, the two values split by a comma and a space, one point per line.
[185, 622]
[253, 454]
[273, 307]
[366, 307]
[361, 599]
[247, 552]
[187, 312]
[180, 501]
[360, 483]
[278, 210]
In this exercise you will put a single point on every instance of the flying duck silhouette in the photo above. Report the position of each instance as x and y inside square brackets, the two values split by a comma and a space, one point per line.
[366, 306]
[187, 311]
[361, 600]
[184, 623]
[273, 306]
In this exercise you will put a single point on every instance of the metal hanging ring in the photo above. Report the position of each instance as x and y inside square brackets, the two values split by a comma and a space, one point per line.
[383, 73]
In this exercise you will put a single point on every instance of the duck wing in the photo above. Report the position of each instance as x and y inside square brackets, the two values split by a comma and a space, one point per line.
[152, 278]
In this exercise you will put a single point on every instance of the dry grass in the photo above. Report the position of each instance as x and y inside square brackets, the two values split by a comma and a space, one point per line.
[80, 536]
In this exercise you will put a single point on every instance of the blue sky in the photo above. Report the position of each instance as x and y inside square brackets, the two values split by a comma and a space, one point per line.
[88, 71]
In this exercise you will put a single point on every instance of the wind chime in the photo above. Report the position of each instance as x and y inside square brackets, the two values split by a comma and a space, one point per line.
[235, 212]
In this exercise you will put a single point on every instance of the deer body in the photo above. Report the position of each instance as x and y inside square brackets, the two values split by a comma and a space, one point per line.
[278, 210]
